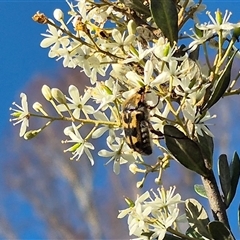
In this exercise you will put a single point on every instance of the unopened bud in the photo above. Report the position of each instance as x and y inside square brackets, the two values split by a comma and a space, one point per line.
[31, 134]
[133, 168]
[139, 184]
[37, 106]
[58, 14]
[158, 181]
[46, 92]
[131, 26]
[58, 95]
[129, 202]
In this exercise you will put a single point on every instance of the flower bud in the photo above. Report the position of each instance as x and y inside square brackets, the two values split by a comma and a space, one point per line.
[58, 14]
[131, 26]
[58, 95]
[139, 184]
[46, 92]
[31, 134]
[37, 106]
[158, 181]
[133, 168]
[129, 202]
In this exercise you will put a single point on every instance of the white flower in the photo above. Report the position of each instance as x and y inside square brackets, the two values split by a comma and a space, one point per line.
[163, 51]
[138, 220]
[68, 54]
[54, 39]
[97, 66]
[189, 113]
[139, 199]
[164, 211]
[83, 54]
[21, 115]
[198, 40]
[117, 153]
[138, 215]
[139, 54]
[173, 73]
[135, 79]
[120, 41]
[77, 102]
[100, 116]
[166, 198]
[219, 23]
[83, 8]
[160, 226]
[119, 71]
[80, 146]
[105, 93]
[99, 14]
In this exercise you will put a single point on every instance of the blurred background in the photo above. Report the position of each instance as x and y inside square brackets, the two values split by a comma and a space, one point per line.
[44, 195]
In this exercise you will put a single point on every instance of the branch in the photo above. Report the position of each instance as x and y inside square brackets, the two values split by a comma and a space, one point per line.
[217, 205]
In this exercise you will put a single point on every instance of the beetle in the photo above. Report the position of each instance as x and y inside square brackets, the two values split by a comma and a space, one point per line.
[135, 118]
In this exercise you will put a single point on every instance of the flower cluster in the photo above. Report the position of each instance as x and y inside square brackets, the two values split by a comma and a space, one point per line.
[151, 217]
[104, 39]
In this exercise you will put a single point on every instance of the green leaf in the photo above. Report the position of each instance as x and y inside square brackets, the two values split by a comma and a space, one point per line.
[224, 175]
[200, 190]
[185, 150]
[235, 174]
[219, 231]
[191, 232]
[221, 84]
[206, 144]
[164, 13]
[197, 217]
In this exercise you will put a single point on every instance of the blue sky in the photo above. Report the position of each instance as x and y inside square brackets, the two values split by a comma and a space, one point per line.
[22, 58]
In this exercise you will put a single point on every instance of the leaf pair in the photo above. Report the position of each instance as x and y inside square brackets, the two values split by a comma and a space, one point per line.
[229, 176]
